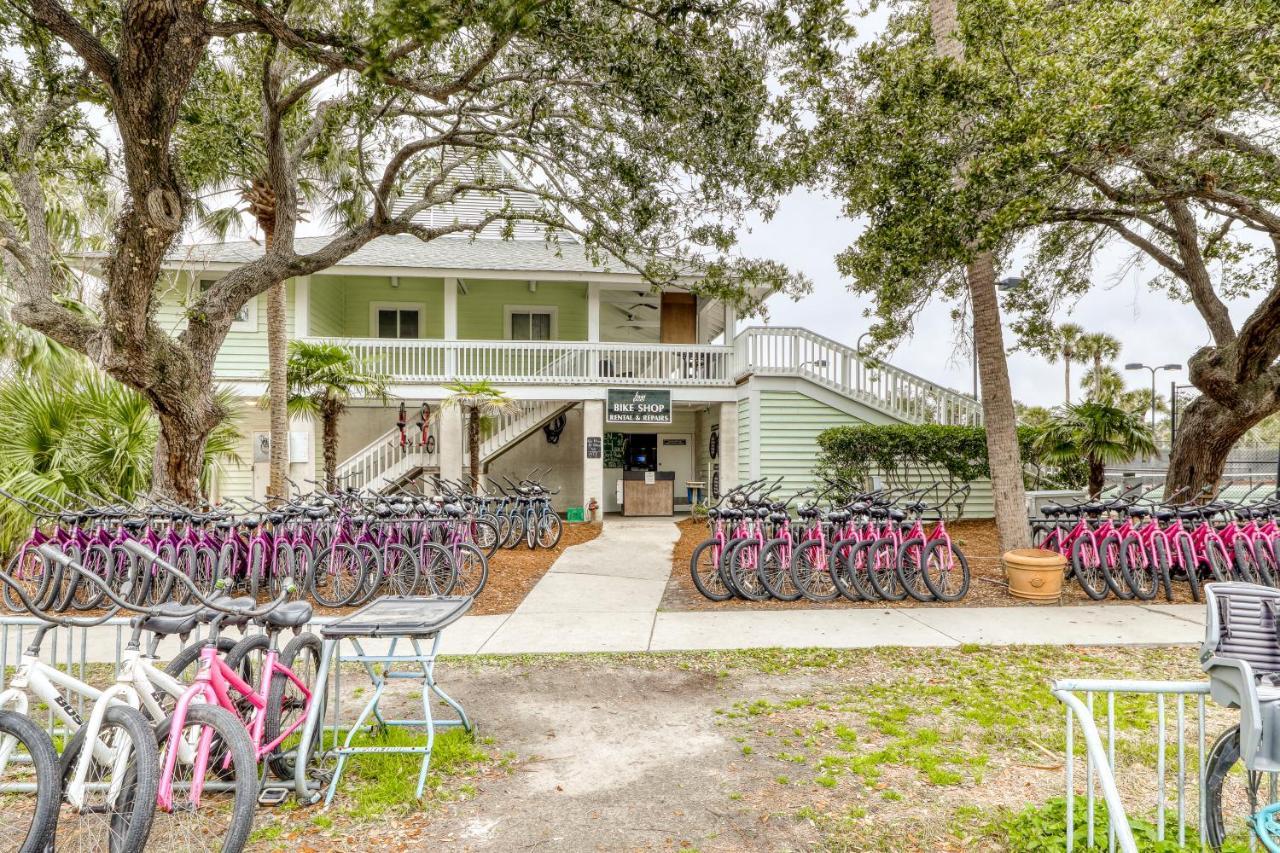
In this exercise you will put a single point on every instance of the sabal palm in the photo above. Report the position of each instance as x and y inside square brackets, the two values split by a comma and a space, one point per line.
[322, 380]
[482, 401]
[1068, 340]
[76, 431]
[1097, 347]
[1100, 433]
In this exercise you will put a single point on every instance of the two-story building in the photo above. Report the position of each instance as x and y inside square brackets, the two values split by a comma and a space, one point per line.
[610, 375]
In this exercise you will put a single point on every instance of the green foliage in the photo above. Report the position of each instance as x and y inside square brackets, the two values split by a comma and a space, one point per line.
[895, 452]
[1100, 433]
[1042, 829]
[77, 432]
[323, 374]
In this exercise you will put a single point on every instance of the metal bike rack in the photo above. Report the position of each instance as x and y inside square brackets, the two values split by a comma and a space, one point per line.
[411, 620]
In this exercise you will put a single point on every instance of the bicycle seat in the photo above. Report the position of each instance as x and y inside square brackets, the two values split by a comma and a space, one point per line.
[1191, 512]
[1138, 511]
[275, 517]
[1165, 515]
[250, 521]
[134, 524]
[291, 614]
[1092, 508]
[859, 507]
[878, 512]
[897, 515]
[169, 621]
[317, 513]
[713, 513]
[810, 512]
[453, 510]
[1051, 510]
[918, 506]
[732, 514]
[208, 614]
[840, 516]
[777, 517]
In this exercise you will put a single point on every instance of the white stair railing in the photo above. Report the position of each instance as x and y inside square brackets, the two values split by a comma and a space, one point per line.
[770, 351]
[383, 461]
[515, 425]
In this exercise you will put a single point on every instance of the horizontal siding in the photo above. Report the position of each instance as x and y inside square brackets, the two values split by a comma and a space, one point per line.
[744, 440]
[789, 427]
[244, 353]
[327, 308]
[360, 291]
[482, 310]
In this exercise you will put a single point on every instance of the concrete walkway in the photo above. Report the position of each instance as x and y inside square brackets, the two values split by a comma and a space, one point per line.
[603, 596]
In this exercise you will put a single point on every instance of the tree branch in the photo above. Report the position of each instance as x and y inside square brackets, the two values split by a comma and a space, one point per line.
[98, 59]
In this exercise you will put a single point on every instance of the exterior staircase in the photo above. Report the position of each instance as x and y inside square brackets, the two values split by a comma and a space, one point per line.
[514, 427]
[383, 463]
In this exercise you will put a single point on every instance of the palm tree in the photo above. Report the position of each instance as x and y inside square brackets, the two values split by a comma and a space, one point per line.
[1097, 347]
[1068, 339]
[482, 402]
[1106, 385]
[1100, 433]
[322, 379]
[1007, 489]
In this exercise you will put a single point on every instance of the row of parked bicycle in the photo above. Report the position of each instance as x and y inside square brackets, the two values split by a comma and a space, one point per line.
[170, 758]
[1132, 545]
[865, 546]
[341, 549]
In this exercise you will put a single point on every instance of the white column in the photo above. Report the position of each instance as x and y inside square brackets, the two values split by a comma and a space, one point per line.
[302, 307]
[451, 446]
[593, 469]
[593, 311]
[730, 323]
[728, 454]
[451, 326]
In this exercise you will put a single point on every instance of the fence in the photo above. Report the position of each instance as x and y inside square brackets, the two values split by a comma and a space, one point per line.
[1100, 767]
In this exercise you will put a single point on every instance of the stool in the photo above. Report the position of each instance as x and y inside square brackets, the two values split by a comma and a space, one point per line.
[413, 619]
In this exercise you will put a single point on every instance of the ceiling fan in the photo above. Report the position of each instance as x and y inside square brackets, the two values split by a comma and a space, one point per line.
[633, 321]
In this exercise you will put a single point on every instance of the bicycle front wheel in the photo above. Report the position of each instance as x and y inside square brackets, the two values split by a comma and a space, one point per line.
[1232, 794]
[1136, 568]
[945, 570]
[1087, 567]
[549, 530]
[27, 757]
[473, 570]
[120, 787]
[743, 564]
[704, 567]
[209, 803]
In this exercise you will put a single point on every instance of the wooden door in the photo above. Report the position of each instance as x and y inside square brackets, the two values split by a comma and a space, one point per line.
[679, 318]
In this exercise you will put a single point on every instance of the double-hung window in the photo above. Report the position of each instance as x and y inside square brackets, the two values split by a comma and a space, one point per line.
[531, 324]
[397, 321]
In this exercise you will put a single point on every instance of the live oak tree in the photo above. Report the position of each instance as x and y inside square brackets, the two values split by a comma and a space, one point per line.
[645, 129]
[1150, 126]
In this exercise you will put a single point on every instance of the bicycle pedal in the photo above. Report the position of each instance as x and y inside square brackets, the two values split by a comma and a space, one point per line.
[273, 796]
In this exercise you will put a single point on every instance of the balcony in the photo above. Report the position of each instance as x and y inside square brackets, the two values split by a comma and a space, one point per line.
[544, 362]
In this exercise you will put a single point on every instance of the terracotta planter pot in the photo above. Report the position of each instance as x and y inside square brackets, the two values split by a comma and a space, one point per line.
[1034, 574]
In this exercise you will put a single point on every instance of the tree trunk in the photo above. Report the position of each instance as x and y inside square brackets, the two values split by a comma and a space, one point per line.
[1097, 477]
[179, 455]
[329, 415]
[1003, 454]
[1066, 361]
[473, 444]
[1207, 431]
[278, 389]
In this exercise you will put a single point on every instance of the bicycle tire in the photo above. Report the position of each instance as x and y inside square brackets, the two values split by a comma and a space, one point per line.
[1187, 557]
[1218, 559]
[1164, 563]
[1266, 561]
[131, 825]
[1221, 758]
[1087, 567]
[160, 583]
[550, 529]
[1136, 568]
[515, 531]
[281, 763]
[954, 565]
[438, 572]
[882, 570]
[711, 586]
[472, 570]
[850, 560]
[20, 732]
[809, 577]
[1109, 558]
[100, 560]
[775, 571]
[232, 744]
[746, 577]
[484, 536]
[344, 572]
[909, 564]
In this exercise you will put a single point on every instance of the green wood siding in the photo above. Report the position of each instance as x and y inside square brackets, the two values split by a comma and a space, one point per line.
[346, 299]
[744, 439]
[244, 353]
[789, 427]
[482, 310]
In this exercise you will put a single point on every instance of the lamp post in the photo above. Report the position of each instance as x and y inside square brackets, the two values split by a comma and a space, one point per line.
[1154, 369]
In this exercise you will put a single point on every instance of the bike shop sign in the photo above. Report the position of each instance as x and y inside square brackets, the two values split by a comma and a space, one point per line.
[644, 406]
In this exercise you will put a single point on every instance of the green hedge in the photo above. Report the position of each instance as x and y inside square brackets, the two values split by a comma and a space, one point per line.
[960, 451]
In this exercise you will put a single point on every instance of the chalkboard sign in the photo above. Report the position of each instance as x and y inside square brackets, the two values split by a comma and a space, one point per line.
[593, 447]
[615, 449]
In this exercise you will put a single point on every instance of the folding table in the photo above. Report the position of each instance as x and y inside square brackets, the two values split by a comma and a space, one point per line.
[400, 619]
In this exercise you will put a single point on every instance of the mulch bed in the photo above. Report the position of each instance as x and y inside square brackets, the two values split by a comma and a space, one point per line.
[977, 538]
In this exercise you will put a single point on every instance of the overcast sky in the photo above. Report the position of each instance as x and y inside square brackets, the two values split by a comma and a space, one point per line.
[809, 231]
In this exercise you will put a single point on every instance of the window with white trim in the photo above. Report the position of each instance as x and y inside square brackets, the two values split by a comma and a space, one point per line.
[531, 323]
[246, 318]
[395, 320]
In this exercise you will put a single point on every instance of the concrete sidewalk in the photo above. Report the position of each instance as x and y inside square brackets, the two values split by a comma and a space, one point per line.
[604, 595]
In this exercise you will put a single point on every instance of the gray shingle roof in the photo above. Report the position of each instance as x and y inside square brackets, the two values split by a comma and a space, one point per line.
[452, 253]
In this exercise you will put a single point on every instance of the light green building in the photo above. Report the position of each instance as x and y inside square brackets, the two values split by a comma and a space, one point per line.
[559, 334]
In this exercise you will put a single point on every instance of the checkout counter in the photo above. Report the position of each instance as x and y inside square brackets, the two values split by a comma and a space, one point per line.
[645, 489]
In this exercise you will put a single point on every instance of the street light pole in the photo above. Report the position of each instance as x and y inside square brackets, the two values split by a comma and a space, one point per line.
[1139, 366]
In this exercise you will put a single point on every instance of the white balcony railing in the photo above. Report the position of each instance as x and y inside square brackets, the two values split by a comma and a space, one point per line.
[542, 362]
